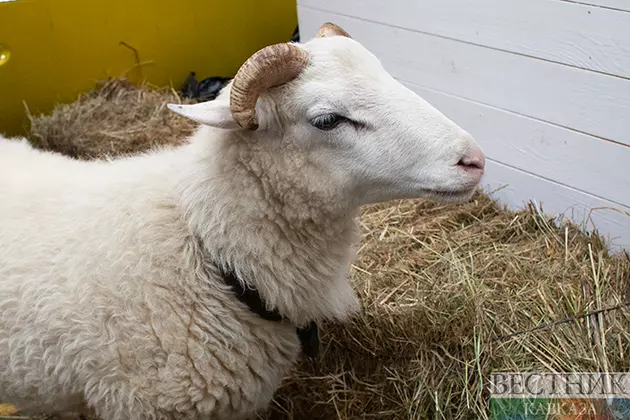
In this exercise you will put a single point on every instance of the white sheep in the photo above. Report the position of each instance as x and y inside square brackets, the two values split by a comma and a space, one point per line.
[112, 291]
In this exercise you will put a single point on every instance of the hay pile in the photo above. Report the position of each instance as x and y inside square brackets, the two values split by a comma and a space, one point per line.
[449, 293]
[443, 288]
[116, 118]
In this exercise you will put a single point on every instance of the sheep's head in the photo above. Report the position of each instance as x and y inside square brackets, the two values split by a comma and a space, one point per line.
[335, 103]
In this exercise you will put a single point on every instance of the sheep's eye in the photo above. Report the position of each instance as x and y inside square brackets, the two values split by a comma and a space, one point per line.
[327, 121]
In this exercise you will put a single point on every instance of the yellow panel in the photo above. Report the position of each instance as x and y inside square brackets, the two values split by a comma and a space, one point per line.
[59, 48]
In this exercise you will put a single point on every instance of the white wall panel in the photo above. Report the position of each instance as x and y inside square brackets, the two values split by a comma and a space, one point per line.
[575, 34]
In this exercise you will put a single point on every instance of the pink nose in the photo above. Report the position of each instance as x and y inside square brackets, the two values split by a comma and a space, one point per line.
[474, 159]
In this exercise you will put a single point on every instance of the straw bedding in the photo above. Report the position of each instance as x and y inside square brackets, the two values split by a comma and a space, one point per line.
[116, 118]
[449, 293]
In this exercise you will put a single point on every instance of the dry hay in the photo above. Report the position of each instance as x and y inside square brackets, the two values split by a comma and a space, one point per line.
[7, 409]
[443, 288]
[113, 119]
[449, 294]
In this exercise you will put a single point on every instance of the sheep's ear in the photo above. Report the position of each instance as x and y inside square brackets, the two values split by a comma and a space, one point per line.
[212, 113]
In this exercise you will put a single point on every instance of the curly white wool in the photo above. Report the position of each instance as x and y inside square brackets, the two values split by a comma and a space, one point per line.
[109, 293]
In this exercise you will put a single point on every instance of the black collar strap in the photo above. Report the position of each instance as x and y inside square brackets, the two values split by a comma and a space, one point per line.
[309, 335]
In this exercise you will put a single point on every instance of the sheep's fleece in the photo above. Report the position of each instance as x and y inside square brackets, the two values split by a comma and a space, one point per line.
[106, 297]
[111, 298]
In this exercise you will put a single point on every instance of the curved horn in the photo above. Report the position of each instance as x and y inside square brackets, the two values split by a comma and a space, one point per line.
[272, 66]
[330, 29]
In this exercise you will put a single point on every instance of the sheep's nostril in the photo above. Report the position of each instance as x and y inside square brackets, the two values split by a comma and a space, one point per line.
[475, 159]
[472, 164]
